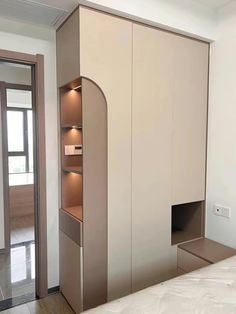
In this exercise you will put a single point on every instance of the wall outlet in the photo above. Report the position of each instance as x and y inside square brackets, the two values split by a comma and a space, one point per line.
[222, 211]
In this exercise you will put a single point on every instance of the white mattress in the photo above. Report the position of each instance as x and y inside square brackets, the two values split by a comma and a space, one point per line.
[210, 290]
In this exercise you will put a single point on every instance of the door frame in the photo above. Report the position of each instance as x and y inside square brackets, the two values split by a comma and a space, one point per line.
[37, 63]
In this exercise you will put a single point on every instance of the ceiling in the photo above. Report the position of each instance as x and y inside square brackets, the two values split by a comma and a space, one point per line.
[214, 4]
[53, 12]
[42, 12]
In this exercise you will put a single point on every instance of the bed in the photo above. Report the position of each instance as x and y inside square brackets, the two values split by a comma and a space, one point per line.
[210, 290]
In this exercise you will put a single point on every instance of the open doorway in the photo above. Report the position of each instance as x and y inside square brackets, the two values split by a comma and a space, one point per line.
[23, 255]
[20, 144]
[17, 276]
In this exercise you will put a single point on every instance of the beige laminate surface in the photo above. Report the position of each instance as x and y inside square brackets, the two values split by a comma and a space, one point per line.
[106, 58]
[153, 258]
[208, 250]
[189, 92]
[74, 169]
[94, 195]
[71, 225]
[53, 304]
[75, 211]
[169, 116]
[70, 271]
[68, 50]
[71, 188]
[189, 262]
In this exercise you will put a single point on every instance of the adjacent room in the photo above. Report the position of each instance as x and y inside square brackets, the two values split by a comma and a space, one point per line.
[18, 256]
[117, 156]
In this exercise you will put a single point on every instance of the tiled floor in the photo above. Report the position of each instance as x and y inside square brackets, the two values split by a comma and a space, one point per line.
[17, 268]
[17, 271]
[54, 304]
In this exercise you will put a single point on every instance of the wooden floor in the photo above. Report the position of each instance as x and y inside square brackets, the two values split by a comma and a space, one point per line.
[22, 229]
[54, 304]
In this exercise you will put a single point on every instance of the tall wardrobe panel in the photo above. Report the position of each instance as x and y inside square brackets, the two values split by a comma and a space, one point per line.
[106, 58]
[94, 195]
[68, 50]
[153, 258]
[189, 120]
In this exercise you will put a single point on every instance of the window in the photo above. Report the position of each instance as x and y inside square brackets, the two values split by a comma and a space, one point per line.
[17, 164]
[15, 131]
[20, 131]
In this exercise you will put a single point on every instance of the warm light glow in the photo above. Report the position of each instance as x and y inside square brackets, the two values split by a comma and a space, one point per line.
[77, 87]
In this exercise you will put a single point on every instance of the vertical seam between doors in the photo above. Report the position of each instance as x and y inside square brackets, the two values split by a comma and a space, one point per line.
[131, 168]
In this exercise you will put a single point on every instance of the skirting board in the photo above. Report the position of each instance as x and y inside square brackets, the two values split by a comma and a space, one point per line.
[54, 290]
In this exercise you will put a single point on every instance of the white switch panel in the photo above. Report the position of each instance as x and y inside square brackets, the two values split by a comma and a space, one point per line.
[222, 211]
[73, 150]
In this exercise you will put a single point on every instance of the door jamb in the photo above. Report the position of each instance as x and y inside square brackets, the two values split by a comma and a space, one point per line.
[37, 62]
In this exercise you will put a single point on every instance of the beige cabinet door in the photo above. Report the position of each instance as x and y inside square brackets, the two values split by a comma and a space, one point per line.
[106, 58]
[68, 50]
[71, 271]
[190, 92]
[169, 117]
[153, 258]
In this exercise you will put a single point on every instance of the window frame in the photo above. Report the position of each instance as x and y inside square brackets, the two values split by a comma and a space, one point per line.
[25, 152]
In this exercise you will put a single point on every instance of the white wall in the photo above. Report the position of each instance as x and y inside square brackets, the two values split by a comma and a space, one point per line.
[2, 236]
[221, 185]
[31, 39]
[185, 15]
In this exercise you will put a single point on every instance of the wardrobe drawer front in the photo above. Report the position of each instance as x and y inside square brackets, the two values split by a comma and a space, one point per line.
[188, 262]
[71, 227]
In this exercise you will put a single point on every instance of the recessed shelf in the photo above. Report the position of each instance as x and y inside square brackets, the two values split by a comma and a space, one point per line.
[75, 211]
[180, 236]
[187, 222]
[74, 169]
[71, 126]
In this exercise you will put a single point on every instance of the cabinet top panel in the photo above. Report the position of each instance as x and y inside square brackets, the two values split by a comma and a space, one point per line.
[138, 19]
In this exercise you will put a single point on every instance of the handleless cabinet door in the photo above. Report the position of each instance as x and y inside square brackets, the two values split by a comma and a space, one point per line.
[70, 271]
[190, 92]
[153, 258]
[106, 59]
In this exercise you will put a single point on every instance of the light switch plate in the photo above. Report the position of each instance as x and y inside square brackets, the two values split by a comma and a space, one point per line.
[71, 150]
[222, 211]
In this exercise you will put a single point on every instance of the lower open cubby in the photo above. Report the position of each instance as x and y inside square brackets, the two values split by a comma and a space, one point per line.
[72, 197]
[187, 222]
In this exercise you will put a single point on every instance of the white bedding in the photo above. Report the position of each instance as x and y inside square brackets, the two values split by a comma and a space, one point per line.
[210, 290]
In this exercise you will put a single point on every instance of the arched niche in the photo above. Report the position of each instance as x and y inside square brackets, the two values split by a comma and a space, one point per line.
[83, 215]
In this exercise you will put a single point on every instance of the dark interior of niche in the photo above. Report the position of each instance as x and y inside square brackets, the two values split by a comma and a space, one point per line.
[187, 222]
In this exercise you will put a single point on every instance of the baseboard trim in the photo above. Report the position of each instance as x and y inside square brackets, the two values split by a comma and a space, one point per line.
[54, 290]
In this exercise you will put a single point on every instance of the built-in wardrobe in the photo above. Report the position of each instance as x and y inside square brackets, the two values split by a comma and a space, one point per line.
[133, 108]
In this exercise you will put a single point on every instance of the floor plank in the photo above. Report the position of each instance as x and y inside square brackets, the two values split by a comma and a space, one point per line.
[54, 304]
